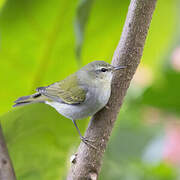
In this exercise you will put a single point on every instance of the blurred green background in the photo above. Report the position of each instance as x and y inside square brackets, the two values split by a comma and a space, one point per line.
[44, 41]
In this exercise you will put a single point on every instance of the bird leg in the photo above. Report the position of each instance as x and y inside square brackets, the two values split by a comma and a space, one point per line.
[83, 139]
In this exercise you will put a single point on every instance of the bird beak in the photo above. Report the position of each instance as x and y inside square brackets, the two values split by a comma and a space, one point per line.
[119, 67]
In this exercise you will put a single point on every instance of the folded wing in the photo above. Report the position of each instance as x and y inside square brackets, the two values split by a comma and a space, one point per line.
[66, 91]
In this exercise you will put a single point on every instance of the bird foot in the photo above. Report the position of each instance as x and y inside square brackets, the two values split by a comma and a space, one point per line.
[88, 142]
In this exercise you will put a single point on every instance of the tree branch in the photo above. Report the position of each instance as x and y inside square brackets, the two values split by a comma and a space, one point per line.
[6, 168]
[87, 162]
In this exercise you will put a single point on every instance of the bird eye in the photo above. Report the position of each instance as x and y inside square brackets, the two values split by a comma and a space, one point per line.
[104, 69]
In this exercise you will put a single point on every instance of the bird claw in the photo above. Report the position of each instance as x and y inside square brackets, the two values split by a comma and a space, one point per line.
[88, 142]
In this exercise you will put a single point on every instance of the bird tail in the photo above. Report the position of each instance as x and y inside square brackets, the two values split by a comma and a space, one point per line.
[34, 98]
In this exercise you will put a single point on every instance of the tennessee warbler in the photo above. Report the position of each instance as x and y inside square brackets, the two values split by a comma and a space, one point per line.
[80, 95]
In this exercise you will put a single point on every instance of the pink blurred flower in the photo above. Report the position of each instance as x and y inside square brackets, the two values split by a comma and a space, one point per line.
[175, 59]
[143, 76]
[171, 152]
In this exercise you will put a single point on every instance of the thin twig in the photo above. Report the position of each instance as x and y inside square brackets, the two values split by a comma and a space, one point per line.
[6, 168]
[129, 51]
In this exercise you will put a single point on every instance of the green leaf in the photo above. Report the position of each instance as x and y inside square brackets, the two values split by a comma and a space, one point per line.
[2, 2]
[40, 141]
[164, 92]
[37, 46]
[161, 34]
[81, 20]
[139, 171]
[103, 29]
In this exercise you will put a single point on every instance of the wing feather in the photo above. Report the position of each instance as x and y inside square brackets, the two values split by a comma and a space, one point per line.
[67, 91]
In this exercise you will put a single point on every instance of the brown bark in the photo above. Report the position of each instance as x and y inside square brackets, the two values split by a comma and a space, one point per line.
[88, 161]
[6, 168]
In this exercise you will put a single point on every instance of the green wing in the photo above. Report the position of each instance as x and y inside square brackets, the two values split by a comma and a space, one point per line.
[67, 91]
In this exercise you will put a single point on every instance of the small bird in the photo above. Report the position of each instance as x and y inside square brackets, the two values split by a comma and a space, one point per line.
[78, 96]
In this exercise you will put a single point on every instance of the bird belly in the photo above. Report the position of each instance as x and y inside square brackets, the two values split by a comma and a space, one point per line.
[72, 112]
